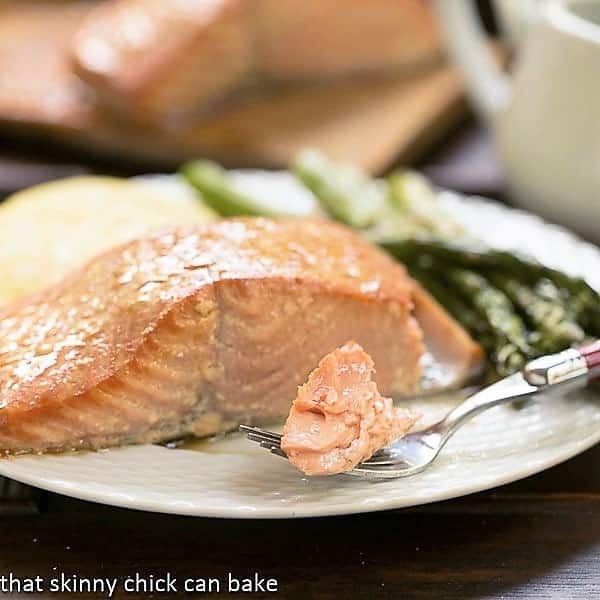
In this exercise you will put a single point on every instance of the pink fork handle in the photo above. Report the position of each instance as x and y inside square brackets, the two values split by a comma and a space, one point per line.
[591, 354]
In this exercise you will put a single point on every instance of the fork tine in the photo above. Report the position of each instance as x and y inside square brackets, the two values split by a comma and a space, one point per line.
[377, 473]
[267, 444]
[255, 437]
[259, 439]
[262, 432]
[270, 438]
[274, 449]
[365, 466]
[278, 452]
[379, 462]
[265, 432]
[270, 435]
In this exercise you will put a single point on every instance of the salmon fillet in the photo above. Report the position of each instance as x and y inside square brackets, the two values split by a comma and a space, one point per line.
[317, 39]
[161, 61]
[452, 353]
[195, 331]
[339, 419]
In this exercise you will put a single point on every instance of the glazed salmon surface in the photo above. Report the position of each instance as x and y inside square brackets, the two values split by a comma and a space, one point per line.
[339, 419]
[195, 331]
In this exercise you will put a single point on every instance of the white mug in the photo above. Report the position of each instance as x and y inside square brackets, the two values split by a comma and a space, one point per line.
[546, 117]
[516, 17]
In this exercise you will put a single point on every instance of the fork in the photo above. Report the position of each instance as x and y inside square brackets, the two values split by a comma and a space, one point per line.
[414, 452]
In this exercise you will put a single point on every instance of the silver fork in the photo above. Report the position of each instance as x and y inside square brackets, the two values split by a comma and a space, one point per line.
[414, 452]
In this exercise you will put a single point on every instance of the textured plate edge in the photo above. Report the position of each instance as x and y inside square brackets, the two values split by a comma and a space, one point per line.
[289, 513]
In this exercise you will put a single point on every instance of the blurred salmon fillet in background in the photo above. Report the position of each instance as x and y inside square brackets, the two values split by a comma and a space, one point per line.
[317, 39]
[150, 60]
[156, 60]
[244, 82]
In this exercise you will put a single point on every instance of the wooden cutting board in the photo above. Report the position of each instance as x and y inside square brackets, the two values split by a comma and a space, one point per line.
[372, 123]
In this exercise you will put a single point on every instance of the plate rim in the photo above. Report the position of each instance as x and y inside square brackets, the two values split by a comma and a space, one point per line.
[283, 512]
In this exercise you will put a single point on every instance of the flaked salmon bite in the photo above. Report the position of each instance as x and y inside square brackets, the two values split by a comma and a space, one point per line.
[339, 419]
[191, 332]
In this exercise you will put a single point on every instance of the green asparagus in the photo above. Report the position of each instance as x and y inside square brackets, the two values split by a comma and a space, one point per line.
[344, 192]
[416, 201]
[446, 295]
[552, 327]
[216, 189]
[583, 300]
[511, 347]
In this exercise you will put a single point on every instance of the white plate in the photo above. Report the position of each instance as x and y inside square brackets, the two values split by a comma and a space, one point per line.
[230, 478]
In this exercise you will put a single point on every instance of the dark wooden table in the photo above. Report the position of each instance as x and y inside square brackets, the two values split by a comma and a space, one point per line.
[535, 539]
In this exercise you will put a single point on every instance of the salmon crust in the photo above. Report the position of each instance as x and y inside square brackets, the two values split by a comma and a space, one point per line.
[193, 331]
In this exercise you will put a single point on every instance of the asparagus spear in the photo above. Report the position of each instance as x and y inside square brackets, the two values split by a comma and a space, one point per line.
[458, 308]
[416, 201]
[511, 347]
[212, 181]
[553, 328]
[583, 300]
[474, 256]
[345, 192]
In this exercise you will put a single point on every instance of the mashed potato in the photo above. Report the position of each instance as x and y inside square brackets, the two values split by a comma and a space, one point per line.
[50, 229]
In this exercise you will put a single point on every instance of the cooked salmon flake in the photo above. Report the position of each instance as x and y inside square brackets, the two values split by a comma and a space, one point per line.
[339, 418]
